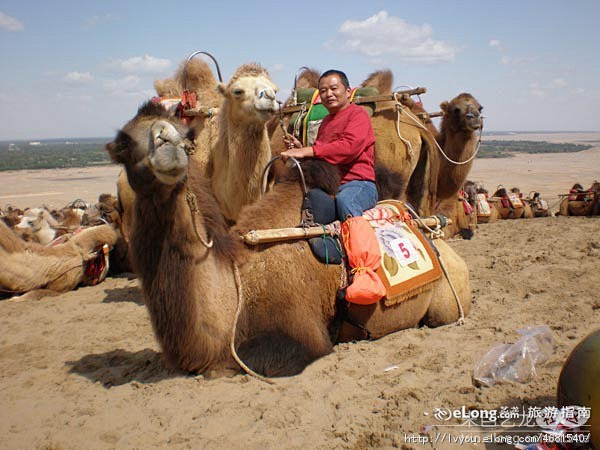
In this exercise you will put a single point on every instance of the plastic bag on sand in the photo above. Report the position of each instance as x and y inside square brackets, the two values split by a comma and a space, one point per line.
[515, 362]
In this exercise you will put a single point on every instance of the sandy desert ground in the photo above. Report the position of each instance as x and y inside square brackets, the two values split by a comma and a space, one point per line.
[83, 370]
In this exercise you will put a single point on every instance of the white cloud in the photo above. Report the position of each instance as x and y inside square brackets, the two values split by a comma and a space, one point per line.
[547, 88]
[94, 21]
[383, 34]
[578, 91]
[140, 64]
[495, 43]
[557, 83]
[130, 84]
[278, 67]
[78, 77]
[9, 23]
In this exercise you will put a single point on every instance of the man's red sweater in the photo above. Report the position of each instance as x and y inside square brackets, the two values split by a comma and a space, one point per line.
[346, 140]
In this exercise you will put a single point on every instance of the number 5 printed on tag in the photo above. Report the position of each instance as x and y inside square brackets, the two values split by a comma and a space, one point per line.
[404, 251]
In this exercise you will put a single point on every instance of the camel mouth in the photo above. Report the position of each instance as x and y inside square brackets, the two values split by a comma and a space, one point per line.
[170, 177]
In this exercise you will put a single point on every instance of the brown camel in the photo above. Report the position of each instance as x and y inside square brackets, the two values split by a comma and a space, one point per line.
[37, 271]
[407, 150]
[187, 261]
[459, 141]
[581, 202]
[463, 216]
[478, 198]
[509, 206]
[107, 210]
[527, 211]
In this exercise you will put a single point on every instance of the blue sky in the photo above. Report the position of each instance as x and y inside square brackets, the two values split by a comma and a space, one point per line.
[81, 68]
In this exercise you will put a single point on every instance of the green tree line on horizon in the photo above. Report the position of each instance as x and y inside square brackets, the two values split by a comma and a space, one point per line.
[90, 152]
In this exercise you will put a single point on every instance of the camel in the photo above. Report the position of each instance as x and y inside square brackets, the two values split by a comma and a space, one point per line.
[527, 211]
[196, 76]
[242, 149]
[409, 151]
[107, 210]
[37, 225]
[509, 206]
[539, 207]
[188, 262]
[459, 141]
[37, 271]
[580, 202]
[463, 215]
[478, 197]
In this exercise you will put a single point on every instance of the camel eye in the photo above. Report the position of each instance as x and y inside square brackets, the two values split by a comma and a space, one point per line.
[238, 92]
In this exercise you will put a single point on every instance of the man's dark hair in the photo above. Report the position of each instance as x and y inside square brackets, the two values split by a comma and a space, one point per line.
[341, 75]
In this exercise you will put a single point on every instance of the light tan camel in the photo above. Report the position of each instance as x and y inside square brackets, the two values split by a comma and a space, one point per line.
[37, 225]
[37, 271]
[242, 150]
[459, 141]
[187, 264]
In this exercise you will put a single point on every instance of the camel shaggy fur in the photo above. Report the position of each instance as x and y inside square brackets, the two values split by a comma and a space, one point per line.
[192, 290]
[37, 271]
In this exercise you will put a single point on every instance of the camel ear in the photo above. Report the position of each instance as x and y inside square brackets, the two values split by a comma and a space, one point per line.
[222, 88]
[445, 106]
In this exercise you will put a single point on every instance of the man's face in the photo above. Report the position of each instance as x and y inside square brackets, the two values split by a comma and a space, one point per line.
[334, 95]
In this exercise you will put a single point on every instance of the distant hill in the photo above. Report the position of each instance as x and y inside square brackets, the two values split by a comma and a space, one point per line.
[506, 149]
[85, 152]
[53, 153]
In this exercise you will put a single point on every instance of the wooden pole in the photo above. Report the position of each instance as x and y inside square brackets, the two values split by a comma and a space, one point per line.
[255, 237]
[367, 99]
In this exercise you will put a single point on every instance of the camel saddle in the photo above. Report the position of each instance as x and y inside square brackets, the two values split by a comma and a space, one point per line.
[483, 207]
[409, 262]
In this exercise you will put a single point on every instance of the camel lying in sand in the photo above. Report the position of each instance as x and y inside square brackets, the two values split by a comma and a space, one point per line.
[580, 202]
[36, 271]
[200, 284]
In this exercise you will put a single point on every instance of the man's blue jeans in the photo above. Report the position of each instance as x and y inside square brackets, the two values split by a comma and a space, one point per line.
[355, 197]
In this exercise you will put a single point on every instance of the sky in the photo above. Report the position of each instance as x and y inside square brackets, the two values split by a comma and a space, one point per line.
[82, 68]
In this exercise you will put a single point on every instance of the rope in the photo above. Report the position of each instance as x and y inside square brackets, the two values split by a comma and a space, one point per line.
[192, 202]
[399, 109]
[438, 232]
[240, 297]
[450, 160]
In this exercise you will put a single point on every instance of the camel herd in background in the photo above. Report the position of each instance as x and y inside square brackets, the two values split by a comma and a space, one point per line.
[206, 170]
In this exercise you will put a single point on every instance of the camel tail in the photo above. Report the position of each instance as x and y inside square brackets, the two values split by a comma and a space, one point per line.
[275, 355]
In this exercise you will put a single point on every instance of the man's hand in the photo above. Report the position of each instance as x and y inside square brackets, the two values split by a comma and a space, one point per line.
[291, 142]
[298, 153]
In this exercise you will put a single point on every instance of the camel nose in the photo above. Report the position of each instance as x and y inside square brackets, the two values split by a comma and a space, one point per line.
[266, 93]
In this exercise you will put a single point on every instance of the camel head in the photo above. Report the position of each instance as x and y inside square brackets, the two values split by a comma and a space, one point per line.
[463, 113]
[249, 96]
[151, 145]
